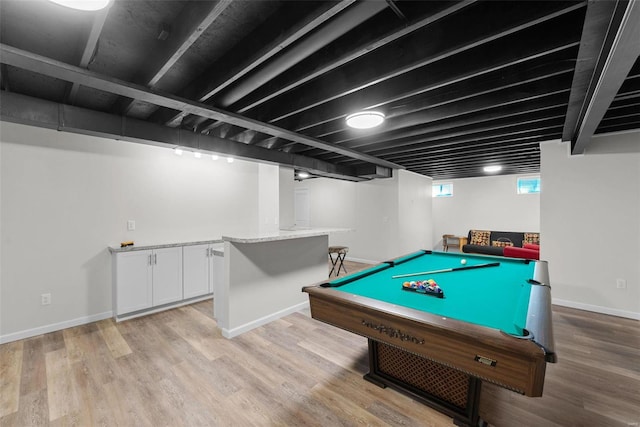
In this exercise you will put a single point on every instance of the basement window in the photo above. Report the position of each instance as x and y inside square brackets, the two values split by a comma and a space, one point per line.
[529, 185]
[442, 190]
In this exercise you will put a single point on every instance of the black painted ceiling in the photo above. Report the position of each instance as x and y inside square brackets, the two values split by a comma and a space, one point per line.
[463, 84]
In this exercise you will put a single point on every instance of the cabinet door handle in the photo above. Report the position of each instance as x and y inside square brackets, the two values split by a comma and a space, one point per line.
[155, 259]
[150, 261]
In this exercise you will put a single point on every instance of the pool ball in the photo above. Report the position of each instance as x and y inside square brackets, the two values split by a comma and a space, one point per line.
[463, 261]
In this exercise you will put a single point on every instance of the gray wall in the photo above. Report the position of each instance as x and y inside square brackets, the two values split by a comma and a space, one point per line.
[590, 224]
[390, 217]
[65, 198]
[488, 203]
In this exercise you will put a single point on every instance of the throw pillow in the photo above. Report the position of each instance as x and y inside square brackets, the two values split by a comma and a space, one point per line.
[480, 237]
[502, 242]
[531, 238]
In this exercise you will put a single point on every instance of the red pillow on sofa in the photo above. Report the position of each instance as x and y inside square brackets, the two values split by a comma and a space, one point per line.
[515, 252]
[531, 246]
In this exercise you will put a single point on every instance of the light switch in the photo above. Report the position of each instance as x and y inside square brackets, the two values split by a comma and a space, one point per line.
[131, 225]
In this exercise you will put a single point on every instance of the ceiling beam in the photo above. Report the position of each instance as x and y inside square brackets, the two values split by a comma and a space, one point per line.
[268, 92]
[526, 95]
[205, 88]
[262, 96]
[506, 144]
[52, 68]
[464, 91]
[17, 108]
[458, 126]
[522, 159]
[193, 21]
[618, 52]
[424, 152]
[4, 78]
[390, 63]
[465, 134]
[337, 21]
[480, 153]
[89, 48]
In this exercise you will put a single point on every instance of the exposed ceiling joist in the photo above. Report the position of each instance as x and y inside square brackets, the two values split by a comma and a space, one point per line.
[193, 21]
[317, 37]
[52, 68]
[446, 130]
[461, 94]
[4, 78]
[22, 109]
[265, 95]
[353, 80]
[89, 48]
[266, 92]
[618, 51]
[204, 88]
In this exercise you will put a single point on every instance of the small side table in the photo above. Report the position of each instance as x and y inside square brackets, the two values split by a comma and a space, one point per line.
[449, 240]
[338, 261]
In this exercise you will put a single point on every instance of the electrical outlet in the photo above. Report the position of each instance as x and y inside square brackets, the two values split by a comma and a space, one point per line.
[131, 225]
[621, 284]
[46, 299]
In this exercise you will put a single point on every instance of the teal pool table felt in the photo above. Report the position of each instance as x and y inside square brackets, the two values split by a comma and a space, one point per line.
[495, 297]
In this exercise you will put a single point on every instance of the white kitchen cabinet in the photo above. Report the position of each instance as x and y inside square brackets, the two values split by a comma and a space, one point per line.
[167, 275]
[147, 278]
[133, 277]
[198, 269]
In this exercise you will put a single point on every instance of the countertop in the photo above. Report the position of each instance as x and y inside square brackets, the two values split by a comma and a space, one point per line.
[283, 234]
[217, 242]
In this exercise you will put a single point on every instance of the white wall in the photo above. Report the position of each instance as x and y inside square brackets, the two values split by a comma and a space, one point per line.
[487, 203]
[390, 216]
[268, 198]
[286, 208]
[66, 197]
[590, 223]
[415, 223]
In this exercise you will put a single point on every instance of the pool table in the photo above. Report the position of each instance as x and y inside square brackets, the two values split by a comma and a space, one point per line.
[493, 323]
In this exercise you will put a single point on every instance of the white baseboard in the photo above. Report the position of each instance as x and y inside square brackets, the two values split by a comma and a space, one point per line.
[165, 307]
[230, 333]
[364, 261]
[15, 336]
[597, 309]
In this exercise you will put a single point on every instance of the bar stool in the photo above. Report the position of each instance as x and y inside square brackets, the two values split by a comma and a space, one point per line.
[338, 261]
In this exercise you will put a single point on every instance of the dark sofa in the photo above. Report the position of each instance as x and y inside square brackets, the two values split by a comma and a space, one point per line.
[489, 242]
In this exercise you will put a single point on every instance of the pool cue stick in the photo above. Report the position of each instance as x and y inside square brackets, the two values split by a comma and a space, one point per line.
[447, 270]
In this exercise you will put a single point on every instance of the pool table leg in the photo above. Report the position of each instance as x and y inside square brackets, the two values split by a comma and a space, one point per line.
[445, 389]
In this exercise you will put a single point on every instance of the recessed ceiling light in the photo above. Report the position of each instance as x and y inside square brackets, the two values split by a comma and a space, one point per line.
[197, 154]
[177, 151]
[303, 175]
[365, 119]
[214, 157]
[88, 5]
[495, 168]
[229, 159]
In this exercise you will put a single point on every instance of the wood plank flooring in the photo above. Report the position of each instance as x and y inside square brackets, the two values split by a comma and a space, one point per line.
[175, 369]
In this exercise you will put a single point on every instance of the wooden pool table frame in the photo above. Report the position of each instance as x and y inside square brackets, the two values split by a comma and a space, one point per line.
[481, 353]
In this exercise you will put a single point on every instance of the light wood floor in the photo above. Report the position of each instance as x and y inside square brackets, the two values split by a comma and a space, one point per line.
[174, 368]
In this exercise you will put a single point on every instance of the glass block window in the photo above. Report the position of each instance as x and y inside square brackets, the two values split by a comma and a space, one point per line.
[529, 185]
[442, 190]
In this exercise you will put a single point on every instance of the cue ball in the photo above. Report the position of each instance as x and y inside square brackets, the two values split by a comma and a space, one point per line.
[463, 261]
